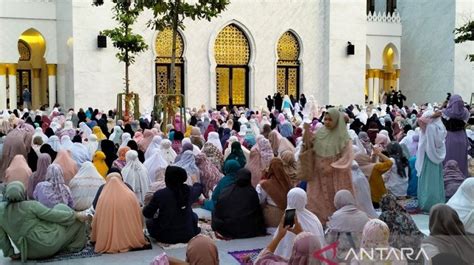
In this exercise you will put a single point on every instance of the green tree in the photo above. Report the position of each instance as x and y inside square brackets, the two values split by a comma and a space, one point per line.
[465, 33]
[128, 43]
[172, 13]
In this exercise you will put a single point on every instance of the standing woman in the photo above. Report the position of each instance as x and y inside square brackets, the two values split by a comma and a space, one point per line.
[429, 158]
[332, 167]
[455, 117]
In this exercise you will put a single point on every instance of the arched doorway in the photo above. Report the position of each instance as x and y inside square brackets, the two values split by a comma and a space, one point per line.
[390, 68]
[163, 48]
[32, 70]
[288, 65]
[232, 54]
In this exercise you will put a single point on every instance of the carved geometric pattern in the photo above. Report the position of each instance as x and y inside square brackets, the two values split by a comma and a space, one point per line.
[293, 82]
[222, 83]
[238, 86]
[287, 80]
[288, 47]
[164, 44]
[24, 50]
[231, 47]
[281, 80]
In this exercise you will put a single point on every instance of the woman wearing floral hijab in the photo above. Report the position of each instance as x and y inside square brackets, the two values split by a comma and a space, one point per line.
[209, 173]
[54, 190]
[403, 230]
[365, 140]
[260, 156]
[84, 186]
[213, 154]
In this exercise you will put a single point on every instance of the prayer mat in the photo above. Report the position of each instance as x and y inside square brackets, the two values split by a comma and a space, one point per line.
[410, 205]
[245, 256]
[206, 229]
[87, 252]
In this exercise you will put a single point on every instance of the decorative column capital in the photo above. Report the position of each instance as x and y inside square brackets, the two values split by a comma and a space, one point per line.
[3, 69]
[51, 69]
[11, 69]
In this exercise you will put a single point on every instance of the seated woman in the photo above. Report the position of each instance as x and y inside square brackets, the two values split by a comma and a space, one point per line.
[44, 160]
[99, 191]
[361, 188]
[18, 170]
[84, 186]
[236, 153]
[99, 162]
[68, 165]
[201, 250]
[175, 222]
[462, 203]
[346, 224]
[304, 247]
[238, 213]
[188, 163]
[297, 199]
[53, 191]
[230, 169]
[117, 225]
[447, 235]
[375, 238]
[396, 179]
[272, 193]
[120, 162]
[373, 171]
[136, 175]
[209, 174]
[260, 156]
[38, 231]
[403, 230]
[453, 178]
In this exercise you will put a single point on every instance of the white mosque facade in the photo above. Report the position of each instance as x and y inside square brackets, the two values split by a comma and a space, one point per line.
[253, 49]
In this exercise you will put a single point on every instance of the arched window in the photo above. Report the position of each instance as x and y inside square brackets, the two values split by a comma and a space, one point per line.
[232, 54]
[391, 6]
[163, 48]
[288, 65]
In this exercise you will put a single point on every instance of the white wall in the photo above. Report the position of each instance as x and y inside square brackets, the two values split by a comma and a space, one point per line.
[427, 52]
[381, 5]
[18, 16]
[347, 73]
[263, 21]
[463, 69]
[65, 44]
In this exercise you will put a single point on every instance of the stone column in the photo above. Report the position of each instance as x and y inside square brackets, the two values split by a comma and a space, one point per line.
[3, 86]
[397, 76]
[36, 89]
[12, 85]
[376, 87]
[52, 84]
[370, 76]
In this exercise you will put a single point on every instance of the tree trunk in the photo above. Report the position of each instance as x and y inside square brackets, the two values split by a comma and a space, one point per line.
[171, 85]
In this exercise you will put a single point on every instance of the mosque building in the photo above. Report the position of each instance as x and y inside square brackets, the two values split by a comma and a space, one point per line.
[339, 51]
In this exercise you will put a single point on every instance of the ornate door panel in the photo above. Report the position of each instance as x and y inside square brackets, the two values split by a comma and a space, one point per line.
[232, 86]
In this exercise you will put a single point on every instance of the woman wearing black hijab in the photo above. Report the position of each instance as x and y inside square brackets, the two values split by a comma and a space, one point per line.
[49, 132]
[237, 213]
[128, 129]
[134, 146]
[46, 149]
[108, 147]
[176, 222]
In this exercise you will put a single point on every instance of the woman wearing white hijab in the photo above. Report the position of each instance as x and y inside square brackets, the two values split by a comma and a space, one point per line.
[213, 138]
[126, 137]
[66, 142]
[84, 186]
[430, 156]
[196, 150]
[39, 132]
[463, 203]
[85, 130]
[92, 145]
[153, 147]
[167, 152]
[53, 141]
[156, 166]
[68, 130]
[116, 136]
[135, 174]
[297, 199]
[362, 190]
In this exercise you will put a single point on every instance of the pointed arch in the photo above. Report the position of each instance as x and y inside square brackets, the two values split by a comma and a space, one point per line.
[232, 55]
[288, 64]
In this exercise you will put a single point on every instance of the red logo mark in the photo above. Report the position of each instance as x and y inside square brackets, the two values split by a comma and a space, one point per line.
[318, 254]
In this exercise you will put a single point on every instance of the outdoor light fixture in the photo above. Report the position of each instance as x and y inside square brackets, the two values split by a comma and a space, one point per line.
[350, 48]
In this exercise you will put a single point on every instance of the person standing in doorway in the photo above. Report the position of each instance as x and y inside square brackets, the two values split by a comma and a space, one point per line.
[26, 98]
[269, 102]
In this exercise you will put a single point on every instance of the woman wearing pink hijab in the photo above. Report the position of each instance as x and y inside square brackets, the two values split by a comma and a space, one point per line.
[68, 165]
[147, 138]
[18, 171]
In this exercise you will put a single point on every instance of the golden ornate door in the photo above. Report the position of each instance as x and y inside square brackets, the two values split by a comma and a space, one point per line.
[288, 65]
[232, 53]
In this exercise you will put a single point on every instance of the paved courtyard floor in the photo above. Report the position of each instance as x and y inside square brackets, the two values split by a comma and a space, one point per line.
[146, 256]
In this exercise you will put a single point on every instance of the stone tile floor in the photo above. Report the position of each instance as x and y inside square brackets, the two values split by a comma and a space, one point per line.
[145, 257]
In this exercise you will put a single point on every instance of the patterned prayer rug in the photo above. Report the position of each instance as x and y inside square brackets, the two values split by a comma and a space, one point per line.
[206, 229]
[87, 252]
[245, 256]
[410, 205]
